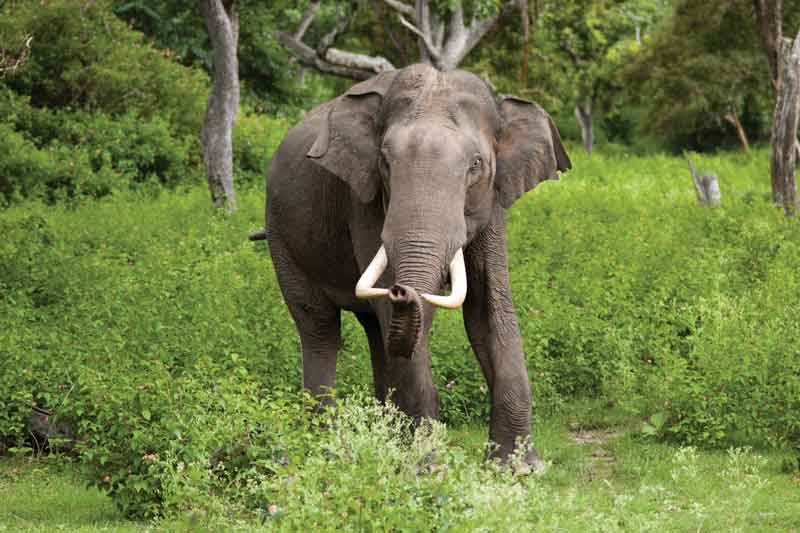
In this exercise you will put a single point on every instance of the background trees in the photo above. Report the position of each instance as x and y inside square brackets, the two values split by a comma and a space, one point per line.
[645, 75]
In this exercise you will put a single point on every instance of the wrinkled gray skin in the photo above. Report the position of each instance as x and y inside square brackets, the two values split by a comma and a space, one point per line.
[423, 162]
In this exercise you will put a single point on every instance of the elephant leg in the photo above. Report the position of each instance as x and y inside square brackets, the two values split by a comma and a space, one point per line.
[492, 328]
[318, 323]
[372, 328]
[320, 331]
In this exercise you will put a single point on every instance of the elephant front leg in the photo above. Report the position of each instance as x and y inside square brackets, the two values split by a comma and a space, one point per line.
[492, 327]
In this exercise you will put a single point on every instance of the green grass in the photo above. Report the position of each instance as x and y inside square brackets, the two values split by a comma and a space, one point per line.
[46, 495]
[619, 482]
[158, 332]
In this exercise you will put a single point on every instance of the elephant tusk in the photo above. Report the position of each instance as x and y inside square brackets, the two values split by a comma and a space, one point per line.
[458, 279]
[365, 289]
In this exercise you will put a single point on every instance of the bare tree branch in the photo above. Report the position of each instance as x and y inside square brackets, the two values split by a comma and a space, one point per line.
[330, 37]
[387, 27]
[308, 18]
[430, 47]
[441, 45]
[9, 63]
[423, 19]
[327, 59]
[375, 64]
[447, 53]
[308, 57]
[403, 8]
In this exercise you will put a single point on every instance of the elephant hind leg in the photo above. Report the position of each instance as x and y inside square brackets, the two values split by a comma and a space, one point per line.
[317, 319]
[372, 328]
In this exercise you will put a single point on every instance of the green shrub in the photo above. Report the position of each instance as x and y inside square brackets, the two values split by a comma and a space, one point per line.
[55, 173]
[132, 317]
[95, 109]
[58, 154]
[255, 138]
[84, 56]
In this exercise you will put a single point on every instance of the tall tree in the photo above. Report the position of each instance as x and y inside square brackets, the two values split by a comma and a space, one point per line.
[784, 132]
[223, 103]
[769, 21]
[583, 40]
[700, 84]
[445, 35]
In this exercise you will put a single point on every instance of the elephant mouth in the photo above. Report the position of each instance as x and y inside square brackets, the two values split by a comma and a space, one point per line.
[366, 290]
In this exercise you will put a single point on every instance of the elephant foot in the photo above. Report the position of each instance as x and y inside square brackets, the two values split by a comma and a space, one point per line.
[530, 464]
[522, 459]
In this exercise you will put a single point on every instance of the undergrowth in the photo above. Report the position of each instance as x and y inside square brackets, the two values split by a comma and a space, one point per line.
[156, 332]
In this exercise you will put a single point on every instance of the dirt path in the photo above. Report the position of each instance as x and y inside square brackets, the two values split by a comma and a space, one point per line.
[601, 461]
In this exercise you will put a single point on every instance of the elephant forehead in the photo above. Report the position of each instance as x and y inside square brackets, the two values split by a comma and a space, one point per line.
[415, 78]
[459, 98]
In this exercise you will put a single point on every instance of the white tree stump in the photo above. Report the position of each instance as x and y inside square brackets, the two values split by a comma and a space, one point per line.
[706, 186]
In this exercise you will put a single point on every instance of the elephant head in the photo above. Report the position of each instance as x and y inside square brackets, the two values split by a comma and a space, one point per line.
[439, 152]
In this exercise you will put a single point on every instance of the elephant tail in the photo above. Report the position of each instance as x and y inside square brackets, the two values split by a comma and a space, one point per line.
[260, 235]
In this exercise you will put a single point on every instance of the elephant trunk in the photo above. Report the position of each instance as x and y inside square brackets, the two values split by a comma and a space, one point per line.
[405, 324]
[365, 288]
[418, 270]
[419, 274]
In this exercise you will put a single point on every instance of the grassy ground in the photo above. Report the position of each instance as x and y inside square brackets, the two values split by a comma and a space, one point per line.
[159, 332]
[602, 475]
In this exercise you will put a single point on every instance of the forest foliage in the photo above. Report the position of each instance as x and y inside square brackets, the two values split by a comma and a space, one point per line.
[112, 289]
[112, 65]
[626, 290]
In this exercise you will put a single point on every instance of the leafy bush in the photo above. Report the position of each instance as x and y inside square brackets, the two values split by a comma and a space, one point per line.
[133, 318]
[255, 138]
[57, 154]
[84, 56]
[56, 172]
[95, 109]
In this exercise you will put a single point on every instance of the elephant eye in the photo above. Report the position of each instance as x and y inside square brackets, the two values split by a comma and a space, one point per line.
[477, 164]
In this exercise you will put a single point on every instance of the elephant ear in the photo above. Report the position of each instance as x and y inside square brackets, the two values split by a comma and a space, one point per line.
[529, 149]
[347, 144]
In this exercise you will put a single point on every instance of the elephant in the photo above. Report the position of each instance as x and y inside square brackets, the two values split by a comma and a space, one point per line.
[381, 198]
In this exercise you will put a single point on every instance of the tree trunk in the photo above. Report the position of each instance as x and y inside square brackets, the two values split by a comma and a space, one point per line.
[584, 115]
[766, 15]
[523, 7]
[784, 129]
[734, 120]
[222, 23]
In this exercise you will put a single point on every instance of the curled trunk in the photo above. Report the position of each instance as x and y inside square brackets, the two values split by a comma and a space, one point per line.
[405, 325]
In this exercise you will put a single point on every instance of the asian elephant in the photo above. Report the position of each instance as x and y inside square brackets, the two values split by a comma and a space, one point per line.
[382, 197]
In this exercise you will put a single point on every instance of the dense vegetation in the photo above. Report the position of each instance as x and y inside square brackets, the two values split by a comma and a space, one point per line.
[157, 331]
[157, 334]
